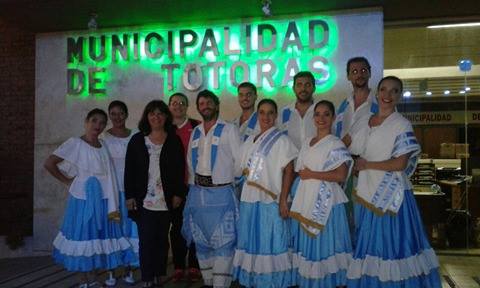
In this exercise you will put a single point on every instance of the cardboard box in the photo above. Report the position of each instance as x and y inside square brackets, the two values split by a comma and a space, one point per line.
[461, 151]
[447, 150]
[461, 148]
[462, 155]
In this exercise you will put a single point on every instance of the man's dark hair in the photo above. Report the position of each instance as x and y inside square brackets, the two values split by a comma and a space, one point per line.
[306, 74]
[247, 85]
[179, 94]
[358, 59]
[208, 94]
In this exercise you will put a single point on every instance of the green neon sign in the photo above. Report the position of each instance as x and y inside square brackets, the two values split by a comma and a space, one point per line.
[217, 57]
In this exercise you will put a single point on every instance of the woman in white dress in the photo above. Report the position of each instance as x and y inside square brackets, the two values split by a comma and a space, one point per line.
[392, 248]
[262, 257]
[90, 237]
[116, 139]
[322, 244]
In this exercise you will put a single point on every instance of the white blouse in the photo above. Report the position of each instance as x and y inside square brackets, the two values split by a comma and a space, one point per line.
[155, 197]
[117, 146]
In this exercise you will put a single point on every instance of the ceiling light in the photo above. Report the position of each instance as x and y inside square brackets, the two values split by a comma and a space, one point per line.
[92, 23]
[428, 93]
[472, 24]
[446, 92]
[266, 7]
[407, 94]
[467, 88]
[461, 91]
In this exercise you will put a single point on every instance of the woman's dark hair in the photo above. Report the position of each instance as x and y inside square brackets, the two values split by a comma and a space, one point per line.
[394, 78]
[96, 111]
[119, 104]
[327, 104]
[144, 125]
[268, 101]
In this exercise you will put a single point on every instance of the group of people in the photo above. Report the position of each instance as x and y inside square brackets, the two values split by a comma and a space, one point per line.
[307, 195]
[117, 176]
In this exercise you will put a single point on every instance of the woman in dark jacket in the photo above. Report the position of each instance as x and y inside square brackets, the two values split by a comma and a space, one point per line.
[154, 186]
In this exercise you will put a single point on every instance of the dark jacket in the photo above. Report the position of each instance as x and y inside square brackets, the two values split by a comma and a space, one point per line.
[172, 170]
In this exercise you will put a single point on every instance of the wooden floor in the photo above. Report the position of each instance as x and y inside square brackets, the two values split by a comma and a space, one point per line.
[40, 272]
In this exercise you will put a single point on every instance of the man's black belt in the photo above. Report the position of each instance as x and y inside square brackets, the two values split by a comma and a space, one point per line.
[206, 181]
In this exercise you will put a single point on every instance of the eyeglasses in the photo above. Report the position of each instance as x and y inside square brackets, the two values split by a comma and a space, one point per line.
[178, 103]
[363, 71]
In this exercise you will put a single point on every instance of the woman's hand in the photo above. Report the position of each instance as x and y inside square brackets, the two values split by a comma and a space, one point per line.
[283, 209]
[51, 166]
[131, 204]
[176, 202]
[68, 181]
[305, 173]
[360, 164]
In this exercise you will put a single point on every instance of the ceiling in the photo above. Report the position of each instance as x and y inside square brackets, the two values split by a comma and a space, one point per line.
[62, 15]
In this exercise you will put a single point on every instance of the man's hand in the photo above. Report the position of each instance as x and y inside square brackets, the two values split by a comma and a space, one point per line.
[131, 204]
[176, 202]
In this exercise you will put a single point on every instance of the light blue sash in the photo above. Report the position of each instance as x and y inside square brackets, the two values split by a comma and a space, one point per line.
[93, 206]
[256, 162]
[250, 126]
[324, 201]
[406, 143]
[217, 132]
[340, 115]
[343, 108]
[389, 194]
[374, 106]
[285, 118]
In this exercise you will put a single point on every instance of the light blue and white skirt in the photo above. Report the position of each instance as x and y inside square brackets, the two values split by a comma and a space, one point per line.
[263, 257]
[88, 240]
[322, 261]
[392, 250]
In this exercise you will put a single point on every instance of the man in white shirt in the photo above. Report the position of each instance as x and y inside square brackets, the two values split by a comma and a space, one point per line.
[211, 211]
[360, 104]
[296, 119]
[247, 121]
[352, 112]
